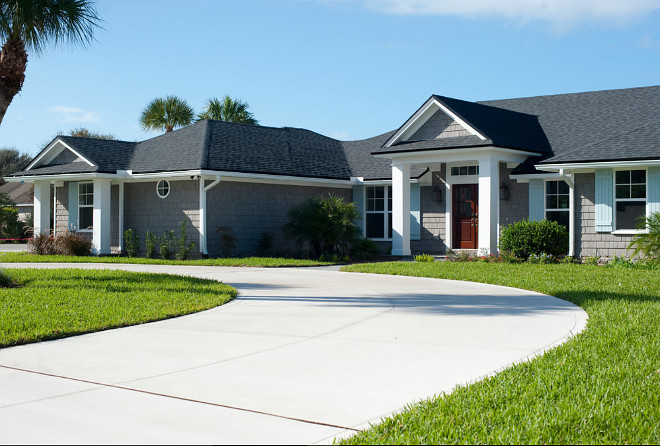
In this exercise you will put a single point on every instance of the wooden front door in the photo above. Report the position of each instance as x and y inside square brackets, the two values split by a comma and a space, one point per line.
[465, 215]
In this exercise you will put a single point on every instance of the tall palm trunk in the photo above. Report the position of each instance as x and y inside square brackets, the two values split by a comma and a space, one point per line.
[13, 62]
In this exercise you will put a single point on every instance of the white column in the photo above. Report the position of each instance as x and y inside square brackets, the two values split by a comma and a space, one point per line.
[400, 209]
[120, 229]
[489, 204]
[571, 217]
[41, 207]
[203, 249]
[101, 217]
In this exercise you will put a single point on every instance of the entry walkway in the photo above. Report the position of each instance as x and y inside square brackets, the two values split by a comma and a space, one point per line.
[302, 355]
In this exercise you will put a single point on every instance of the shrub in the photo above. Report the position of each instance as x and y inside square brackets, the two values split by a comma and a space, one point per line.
[591, 260]
[326, 223]
[364, 249]
[648, 243]
[166, 245]
[42, 244]
[525, 238]
[182, 250]
[131, 243]
[150, 244]
[72, 244]
[265, 246]
[227, 240]
[424, 258]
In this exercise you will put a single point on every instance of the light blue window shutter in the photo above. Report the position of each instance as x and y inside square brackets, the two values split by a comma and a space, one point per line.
[604, 199]
[415, 214]
[653, 188]
[358, 201]
[536, 200]
[73, 206]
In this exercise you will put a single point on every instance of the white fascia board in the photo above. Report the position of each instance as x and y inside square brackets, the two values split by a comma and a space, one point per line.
[46, 154]
[524, 178]
[596, 165]
[457, 155]
[60, 177]
[422, 115]
[278, 179]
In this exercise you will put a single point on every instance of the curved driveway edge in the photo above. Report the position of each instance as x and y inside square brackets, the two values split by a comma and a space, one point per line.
[302, 355]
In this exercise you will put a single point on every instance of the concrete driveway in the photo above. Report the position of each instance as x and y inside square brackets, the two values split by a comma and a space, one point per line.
[303, 355]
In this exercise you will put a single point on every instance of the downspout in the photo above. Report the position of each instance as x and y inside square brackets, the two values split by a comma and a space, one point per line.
[203, 248]
[571, 211]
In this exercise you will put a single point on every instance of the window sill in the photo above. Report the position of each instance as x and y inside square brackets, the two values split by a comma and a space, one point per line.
[628, 231]
[85, 230]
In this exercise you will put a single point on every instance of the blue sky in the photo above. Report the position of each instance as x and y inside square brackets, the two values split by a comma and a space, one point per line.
[346, 69]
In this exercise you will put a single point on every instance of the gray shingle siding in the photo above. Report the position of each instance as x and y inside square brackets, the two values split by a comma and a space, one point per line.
[440, 125]
[516, 207]
[252, 209]
[587, 241]
[433, 226]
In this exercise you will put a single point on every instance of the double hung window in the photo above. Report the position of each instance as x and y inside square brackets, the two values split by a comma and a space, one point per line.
[557, 202]
[379, 212]
[629, 197]
[85, 205]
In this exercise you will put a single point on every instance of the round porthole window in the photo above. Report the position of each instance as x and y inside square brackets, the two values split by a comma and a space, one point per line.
[163, 188]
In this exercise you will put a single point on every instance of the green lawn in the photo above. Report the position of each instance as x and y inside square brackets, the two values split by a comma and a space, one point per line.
[603, 386]
[56, 303]
[267, 262]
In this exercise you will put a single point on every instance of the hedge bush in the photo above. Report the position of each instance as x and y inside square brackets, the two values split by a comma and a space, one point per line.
[525, 238]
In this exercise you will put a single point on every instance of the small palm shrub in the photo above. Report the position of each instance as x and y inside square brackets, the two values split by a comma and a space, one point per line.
[131, 243]
[327, 224]
[424, 258]
[150, 244]
[525, 238]
[364, 249]
[72, 244]
[648, 243]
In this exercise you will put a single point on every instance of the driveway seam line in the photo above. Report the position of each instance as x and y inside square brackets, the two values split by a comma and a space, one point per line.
[181, 398]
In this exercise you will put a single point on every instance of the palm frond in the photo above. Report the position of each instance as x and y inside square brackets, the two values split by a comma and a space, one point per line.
[228, 110]
[166, 114]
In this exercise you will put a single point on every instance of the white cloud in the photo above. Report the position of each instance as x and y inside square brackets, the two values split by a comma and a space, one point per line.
[560, 13]
[73, 114]
[341, 135]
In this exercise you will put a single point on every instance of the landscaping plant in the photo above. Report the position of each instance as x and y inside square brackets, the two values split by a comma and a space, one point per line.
[327, 224]
[648, 243]
[424, 258]
[150, 244]
[182, 250]
[42, 244]
[72, 244]
[525, 238]
[167, 245]
[131, 243]
[227, 240]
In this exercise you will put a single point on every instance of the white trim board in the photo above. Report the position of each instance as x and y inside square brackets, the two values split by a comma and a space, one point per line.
[50, 153]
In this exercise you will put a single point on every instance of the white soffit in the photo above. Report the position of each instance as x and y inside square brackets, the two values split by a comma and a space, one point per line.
[416, 121]
[54, 149]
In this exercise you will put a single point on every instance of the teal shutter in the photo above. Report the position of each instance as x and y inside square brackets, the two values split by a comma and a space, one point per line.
[73, 206]
[415, 214]
[536, 200]
[653, 189]
[604, 199]
[358, 201]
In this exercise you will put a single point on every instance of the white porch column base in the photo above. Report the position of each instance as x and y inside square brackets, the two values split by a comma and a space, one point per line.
[400, 209]
[101, 217]
[489, 205]
[41, 207]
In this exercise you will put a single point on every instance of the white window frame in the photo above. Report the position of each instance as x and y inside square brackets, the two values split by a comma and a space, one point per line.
[615, 200]
[80, 206]
[387, 210]
[545, 199]
[169, 188]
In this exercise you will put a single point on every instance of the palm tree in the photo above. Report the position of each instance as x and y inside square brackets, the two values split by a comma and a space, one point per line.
[228, 110]
[166, 114]
[32, 24]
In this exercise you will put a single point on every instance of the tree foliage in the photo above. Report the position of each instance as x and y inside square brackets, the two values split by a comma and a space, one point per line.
[326, 223]
[82, 132]
[228, 110]
[166, 114]
[648, 243]
[32, 25]
[11, 160]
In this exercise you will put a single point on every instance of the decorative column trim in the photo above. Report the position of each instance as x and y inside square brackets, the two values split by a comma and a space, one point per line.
[401, 209]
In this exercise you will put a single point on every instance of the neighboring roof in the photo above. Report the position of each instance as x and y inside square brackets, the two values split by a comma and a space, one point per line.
[20, 193]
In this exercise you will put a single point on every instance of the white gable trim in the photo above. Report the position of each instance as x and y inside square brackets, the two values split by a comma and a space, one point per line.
[422, 115]
[52, 151]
